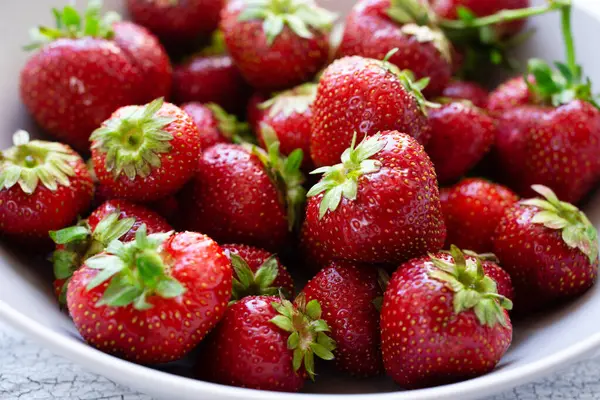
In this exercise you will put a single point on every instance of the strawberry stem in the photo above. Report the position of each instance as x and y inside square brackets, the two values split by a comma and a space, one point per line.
[568, 39]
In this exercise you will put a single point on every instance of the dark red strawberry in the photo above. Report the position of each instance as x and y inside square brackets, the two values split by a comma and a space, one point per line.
[43, 186]
[167, 207]
[267, 343]
[431, 305]
[364, 96]
[461, 135]
[464, 90]
[380, 205]
[277, 45]
[549, 248]
[512, 93]
[215, 125]
[151, 300]
[145, 153]
[253, 111]
[346, 292]
[472, 210]
[374, 27]
[257, 272]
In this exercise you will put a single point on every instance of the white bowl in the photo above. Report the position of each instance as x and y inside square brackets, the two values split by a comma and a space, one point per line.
[541, 344]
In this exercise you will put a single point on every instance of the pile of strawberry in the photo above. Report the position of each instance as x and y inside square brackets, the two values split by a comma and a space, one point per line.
[385, 124]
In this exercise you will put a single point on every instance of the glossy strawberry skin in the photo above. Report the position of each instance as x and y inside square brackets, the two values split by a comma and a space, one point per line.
[253, 111]
[234, 200]
[177, 166]
[461, 135]
[357, 95]
[464, 90]
[248, 350]
[472, 210]
[424, 343]
[371, 33]
[172, 327]
[289, 61]
[510, 94]
[502, 278]
[346, 291]
[396, 214]
[544, 270]
[207, 124]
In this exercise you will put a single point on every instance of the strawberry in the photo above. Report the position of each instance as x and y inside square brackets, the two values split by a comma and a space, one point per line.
[472, 209]
[430, 306]
[549, 248]
[151, 300]
[464, 90]
[257, 272]
[491, 267]
[144, 153]
[364, 96]
[254, 113]
[346, 292]
[277, 44]
[243, 194]
[70, 85]
[288, 116]
[461, 135]
[374, 27]
[380, 205]
[512, 93]
[266, 343]
[43, 186]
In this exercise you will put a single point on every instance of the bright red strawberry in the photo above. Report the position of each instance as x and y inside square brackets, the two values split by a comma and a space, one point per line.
[472, 210]
[253, 111]
[257, 272]
[464, 90]
[277, 44]
[512, 93]
[145, 153]
[346, 292]
[363, 96]
[549, 248]
[43, 186]
[430, 306]
[380, 205]
[374, 27]
[461, 135]
[267, 343]
[215, 125]
[502, 278]
[151, 300]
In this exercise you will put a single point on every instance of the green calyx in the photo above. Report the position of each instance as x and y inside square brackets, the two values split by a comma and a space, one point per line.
[71, 24]
[137, 270]
[341, 180]
[296, 100]
[229, 126]
[132, 142]
[577, 230]
[31, 163]
[217, 45]
[308, 337]
[472, 288]
[259, 283]
[299, 15]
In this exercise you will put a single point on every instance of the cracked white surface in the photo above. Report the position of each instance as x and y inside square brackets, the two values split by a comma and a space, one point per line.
[29, 372]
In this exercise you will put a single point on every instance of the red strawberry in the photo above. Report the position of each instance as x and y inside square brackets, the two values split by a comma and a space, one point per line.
[267, 343]
[510, 94]
[430, 306]
[151, 300]
[277, 46]
[346, 292]
[167, 207]
[463, 90]
[145, 153]
[374, 27]
[243, 194]
[215, 125]
[43, 186]
[498, 274]
[461, 135]
[288, 116]
[472, 209]
[549, 248]
[363, 96]
[257, 272]
[380, 205]
[253, 111]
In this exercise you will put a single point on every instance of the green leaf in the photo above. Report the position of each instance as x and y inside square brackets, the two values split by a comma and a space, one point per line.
[320, 326]
[298, 27]
[107, 265]
[297, 358]
[293, 341]
[71, 234]
[71, 18]
[313, 309]
[550, 220]
[118, 294]
[283, 323]
[170, 288]
[321, 352]
[64, 263]
[267, 273]
[272, 26]
[242, 270]
[150, 267]
[465, 14]
[309, 364]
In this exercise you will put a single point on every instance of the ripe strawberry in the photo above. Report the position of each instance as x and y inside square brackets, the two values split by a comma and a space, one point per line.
[253, 111]
[461, 135]
[498, 274]
[346, 292]
[364, 96]
[288, 39]
[472, 209]
[43, 186]
[266, 343]
[380, 205]
[512, 93]
[151, 300]
[430, 306]
[145, 153]
[374, 27]
[464, 90]
[549, 248]
[257, 272]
